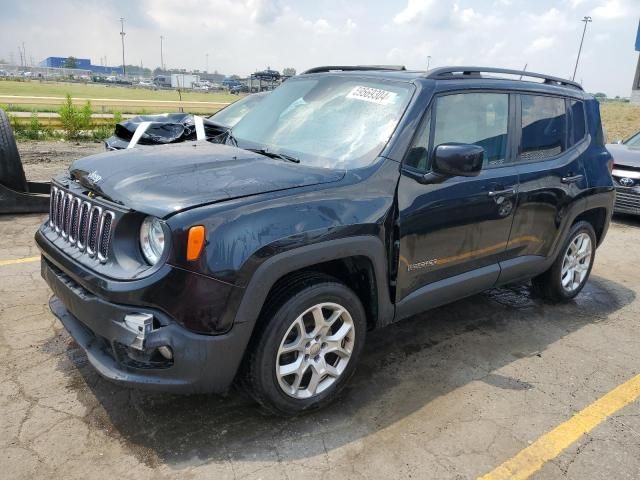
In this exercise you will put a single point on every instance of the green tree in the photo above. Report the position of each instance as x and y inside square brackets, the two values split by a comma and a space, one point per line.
[70, 62]
[289, 72]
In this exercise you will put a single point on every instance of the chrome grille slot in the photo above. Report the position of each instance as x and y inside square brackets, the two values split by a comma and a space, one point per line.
[104, 239]
[66, 214]
[74, 214]
[92, 236]
[83, 224]
[53, 206]
[59, 206]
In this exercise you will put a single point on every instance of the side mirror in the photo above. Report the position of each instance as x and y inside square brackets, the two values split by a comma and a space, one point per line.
[457, 160]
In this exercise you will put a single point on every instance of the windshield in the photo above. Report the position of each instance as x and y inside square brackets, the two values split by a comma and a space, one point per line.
[326, 121]
[229, 116]
[633, 141]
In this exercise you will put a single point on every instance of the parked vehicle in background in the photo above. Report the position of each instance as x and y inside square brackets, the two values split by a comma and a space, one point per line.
[230, 115]
[238, 89]
[626, 174]
[162, 81]
[347, 199]
[229, 83]
[180, 127]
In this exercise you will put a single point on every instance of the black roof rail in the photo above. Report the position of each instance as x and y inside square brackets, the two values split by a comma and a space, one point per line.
[450, 73]
[351, 68]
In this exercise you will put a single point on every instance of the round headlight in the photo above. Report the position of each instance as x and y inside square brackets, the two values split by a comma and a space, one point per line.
[152, 239]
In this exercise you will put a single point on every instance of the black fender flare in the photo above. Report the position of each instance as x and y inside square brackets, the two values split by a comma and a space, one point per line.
[269, 272]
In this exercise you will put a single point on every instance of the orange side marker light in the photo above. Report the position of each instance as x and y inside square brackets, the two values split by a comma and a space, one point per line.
[195, 242]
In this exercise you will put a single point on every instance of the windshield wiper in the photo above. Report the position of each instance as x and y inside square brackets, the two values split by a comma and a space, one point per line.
[262, 151]
[229, 136]
[267, 153]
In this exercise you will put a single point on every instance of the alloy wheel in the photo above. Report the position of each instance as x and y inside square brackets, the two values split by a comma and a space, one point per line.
[576, 262]
[315, 350]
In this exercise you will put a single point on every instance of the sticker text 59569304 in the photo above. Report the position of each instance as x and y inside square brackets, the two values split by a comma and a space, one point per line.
[373, 95]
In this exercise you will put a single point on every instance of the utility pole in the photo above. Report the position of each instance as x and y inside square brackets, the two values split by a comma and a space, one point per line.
[122, 34]
[207, 67]
[586, 21]
[428, 61]
[24, 54]
[161, 53]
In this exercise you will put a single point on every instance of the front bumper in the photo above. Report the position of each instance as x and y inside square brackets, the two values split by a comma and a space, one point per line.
[627, 200]
[201, 363]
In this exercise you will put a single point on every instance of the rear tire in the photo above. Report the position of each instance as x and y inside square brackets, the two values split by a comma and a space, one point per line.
[11, 171]
[571, 269]
[306, 345]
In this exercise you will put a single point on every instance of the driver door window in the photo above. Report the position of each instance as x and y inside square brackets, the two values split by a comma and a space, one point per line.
[473, 118]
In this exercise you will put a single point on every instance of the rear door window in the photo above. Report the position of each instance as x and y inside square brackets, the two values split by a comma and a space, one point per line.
[544, 127]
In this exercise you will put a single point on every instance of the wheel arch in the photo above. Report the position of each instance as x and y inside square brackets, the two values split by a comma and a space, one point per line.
[598, 218]
[359, 262]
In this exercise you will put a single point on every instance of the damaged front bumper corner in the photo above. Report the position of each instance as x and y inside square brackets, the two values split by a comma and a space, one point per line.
[143, 348]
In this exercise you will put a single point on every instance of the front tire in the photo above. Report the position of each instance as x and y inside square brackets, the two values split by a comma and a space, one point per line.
[306, 346]
[571, 269]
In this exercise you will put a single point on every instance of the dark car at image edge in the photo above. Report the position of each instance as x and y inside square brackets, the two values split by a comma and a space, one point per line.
[346, 200]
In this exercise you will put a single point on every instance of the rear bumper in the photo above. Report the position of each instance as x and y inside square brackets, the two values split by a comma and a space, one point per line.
[201, 363]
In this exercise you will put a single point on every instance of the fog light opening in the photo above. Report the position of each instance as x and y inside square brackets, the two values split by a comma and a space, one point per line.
[166, 352]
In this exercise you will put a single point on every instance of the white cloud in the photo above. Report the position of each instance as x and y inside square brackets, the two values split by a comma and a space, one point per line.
[414, 10]
[541, 43]
[550, 20]
[610, 9]
[350, 25]
[576, 3]
[321, 26]
[265, 11]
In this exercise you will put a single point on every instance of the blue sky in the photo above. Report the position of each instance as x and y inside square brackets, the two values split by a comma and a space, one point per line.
[241, 36]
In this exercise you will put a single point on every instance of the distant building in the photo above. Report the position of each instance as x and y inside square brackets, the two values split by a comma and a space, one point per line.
[81, 63]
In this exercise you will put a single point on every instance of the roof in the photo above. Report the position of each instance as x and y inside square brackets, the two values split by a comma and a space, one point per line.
[489, 76]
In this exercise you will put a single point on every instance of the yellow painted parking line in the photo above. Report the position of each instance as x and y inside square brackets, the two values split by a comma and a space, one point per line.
[552, 443]
[19, 260]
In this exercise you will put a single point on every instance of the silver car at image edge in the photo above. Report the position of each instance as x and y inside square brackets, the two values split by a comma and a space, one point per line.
[626, 174]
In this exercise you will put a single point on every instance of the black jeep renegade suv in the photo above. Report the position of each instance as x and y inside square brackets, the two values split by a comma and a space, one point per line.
[348, 199]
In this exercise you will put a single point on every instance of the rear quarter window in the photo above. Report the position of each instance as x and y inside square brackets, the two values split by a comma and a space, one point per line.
[577, 125]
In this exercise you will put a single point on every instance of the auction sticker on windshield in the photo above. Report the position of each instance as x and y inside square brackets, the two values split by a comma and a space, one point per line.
[373, 95]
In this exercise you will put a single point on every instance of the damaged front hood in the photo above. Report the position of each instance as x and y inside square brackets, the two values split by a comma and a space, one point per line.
[166, 179]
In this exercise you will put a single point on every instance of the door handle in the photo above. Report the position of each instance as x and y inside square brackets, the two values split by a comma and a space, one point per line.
[572, 179]
[499, 193]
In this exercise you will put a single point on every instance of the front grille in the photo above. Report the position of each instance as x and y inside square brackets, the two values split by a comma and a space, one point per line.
[83, 222]
[87, 226]
[627, 199]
